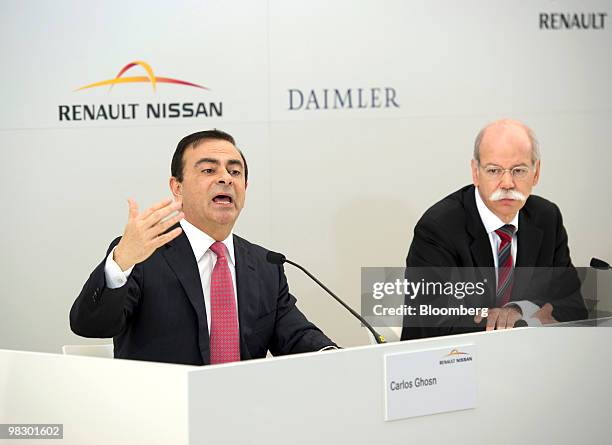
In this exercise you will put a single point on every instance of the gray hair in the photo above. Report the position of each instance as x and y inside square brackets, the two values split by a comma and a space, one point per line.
[535, 145]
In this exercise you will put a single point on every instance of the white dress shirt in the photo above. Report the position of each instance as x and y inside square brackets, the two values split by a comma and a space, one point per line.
[200, 244]
[491, 223]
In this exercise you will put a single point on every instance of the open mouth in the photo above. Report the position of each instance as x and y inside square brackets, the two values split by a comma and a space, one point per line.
[223, 199]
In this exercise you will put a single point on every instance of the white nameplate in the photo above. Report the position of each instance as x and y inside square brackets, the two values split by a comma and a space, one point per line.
[428, 382]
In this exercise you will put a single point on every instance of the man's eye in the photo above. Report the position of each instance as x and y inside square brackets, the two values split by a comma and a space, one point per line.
[235, 172]
[493, 171]
[207, 170]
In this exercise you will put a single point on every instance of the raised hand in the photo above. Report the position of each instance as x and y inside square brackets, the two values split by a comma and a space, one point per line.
[145, 232]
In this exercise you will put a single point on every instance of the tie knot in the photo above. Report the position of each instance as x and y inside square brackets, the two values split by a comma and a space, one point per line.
[505, 232]
[219, 249]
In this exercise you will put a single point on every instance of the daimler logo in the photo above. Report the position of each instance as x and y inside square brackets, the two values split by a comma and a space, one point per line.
[130, 111]
[357, 98]
[573, 21]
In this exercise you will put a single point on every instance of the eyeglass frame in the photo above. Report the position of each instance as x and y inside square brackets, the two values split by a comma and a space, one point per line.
[512, 171]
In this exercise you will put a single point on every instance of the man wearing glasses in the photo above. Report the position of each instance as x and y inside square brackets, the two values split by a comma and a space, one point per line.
[495, 224]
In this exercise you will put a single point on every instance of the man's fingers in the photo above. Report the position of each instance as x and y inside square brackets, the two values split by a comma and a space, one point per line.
[502, 320]
[544, 314]
[167, 237]
[547, 309]
[515, 316]
[162, 213]
[155, 207]
[165, 225]
[492, 319]
[508, 317]
[132, 209]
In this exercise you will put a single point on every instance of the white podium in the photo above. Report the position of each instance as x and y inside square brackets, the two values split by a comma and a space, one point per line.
[541, 386]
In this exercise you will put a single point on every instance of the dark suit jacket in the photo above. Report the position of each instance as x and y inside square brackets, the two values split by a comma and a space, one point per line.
[451, 234]
[159, 314]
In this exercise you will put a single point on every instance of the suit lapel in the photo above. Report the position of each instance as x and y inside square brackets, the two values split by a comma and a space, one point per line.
[179, 255]
[529, 238]
[529, 241]
[248, 293]
[480, 245]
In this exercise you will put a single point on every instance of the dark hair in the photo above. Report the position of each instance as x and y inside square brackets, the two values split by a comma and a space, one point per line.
[192, 140]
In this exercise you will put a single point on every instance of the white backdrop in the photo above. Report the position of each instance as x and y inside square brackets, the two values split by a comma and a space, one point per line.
[334, 189]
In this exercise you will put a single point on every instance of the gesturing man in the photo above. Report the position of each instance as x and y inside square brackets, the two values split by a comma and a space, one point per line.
[495, 224]
[180, 287]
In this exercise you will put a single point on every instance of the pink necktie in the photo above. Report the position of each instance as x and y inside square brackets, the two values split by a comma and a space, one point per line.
[224, 337]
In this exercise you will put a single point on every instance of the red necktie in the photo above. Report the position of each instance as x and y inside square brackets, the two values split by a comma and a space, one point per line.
[224, 337]
[505, 266]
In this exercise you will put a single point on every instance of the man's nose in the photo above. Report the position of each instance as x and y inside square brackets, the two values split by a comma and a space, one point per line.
[224, 177]
[507, 180]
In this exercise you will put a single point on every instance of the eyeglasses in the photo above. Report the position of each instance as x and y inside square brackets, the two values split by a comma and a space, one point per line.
[495, 172]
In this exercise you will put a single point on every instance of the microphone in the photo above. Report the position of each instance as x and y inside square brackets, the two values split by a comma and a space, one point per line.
[279, 258]
[275, 258]
[520, 324]
[596, 263]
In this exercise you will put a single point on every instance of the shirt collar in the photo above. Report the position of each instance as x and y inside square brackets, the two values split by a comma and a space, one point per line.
[201, 241]
[490, 220]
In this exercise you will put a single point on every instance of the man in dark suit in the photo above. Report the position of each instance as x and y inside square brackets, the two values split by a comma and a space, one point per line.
[165, 291]
[494, 230]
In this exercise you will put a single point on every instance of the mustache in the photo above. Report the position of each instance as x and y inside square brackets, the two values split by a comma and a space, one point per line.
[500, 194]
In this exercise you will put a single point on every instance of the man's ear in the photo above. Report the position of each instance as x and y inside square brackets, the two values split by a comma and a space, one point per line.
[176, 187]
[246, 184]
[475, 172]
[536, 177]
